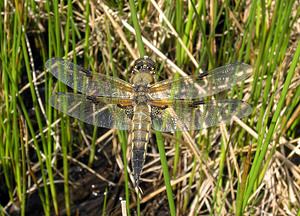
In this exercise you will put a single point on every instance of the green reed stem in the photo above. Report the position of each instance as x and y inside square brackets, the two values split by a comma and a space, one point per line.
[137, 28]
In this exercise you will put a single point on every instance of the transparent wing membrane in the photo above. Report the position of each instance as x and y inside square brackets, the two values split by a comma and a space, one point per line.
[86, 82]
[177, 104]
[92, 110]
[187, 116]
[212, 82]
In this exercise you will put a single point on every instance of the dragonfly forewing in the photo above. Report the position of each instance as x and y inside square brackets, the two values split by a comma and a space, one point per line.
[209, 83]
[86, 82]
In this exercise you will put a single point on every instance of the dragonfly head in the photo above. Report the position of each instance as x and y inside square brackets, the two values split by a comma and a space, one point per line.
[144, 65]
[143, 71]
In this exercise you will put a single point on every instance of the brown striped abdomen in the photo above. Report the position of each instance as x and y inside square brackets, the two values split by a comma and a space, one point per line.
[141, 124]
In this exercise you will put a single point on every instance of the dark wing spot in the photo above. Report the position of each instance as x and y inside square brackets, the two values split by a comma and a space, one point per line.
[197, 103]
[92, 98]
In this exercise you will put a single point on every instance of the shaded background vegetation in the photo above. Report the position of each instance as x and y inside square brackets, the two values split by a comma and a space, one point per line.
[51, 164]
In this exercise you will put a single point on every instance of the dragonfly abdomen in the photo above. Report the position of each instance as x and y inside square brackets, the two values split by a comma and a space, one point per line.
[141, 124]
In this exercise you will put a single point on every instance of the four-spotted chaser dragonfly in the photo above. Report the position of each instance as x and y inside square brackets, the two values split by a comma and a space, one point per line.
[142, 104]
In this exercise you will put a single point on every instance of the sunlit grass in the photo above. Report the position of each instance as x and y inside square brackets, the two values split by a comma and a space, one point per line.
[36, 141]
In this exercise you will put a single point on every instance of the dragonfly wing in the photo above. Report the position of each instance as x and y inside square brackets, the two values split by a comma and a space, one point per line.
[92, 111]
[86, 82]
[209, 83]
[187, 116]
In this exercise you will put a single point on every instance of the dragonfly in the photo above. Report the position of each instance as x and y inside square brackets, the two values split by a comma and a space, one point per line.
[143, 103]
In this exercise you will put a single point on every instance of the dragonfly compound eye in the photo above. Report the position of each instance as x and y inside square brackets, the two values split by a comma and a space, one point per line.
[144, 64]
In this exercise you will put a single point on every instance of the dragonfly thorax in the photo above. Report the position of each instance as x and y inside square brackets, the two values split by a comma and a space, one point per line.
[141, 91]
[142, 78]
[141, 99]
[143, 71]
[141, 94]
